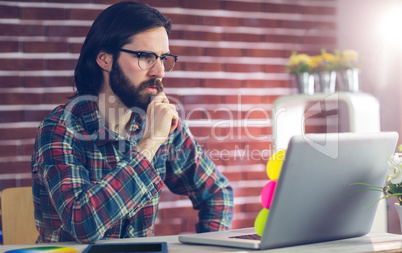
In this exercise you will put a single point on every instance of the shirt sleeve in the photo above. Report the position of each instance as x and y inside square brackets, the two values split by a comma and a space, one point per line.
[88, 209]
[190, 172]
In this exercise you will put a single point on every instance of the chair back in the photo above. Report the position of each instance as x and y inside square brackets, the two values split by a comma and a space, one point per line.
[17, 213]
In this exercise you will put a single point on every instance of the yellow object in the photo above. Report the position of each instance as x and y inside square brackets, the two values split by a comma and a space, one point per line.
[274, 164]
[259, 222]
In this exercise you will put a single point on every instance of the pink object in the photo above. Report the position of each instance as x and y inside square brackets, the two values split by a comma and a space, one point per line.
[267, 193]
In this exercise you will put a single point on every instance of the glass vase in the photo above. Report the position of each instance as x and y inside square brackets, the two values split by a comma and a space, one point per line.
[398, 208]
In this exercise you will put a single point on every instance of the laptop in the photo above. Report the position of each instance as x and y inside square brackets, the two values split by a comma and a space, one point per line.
[314, 199]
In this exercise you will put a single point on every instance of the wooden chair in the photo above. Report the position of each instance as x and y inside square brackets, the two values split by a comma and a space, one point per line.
[17, 212]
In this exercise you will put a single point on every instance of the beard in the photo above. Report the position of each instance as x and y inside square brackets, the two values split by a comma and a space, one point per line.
[132, 96]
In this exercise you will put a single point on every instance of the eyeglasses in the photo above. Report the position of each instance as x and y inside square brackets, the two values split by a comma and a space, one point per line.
[147, 60]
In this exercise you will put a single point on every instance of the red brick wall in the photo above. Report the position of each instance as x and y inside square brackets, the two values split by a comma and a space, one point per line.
[231, 68]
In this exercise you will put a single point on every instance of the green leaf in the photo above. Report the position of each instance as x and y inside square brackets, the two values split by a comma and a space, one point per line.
[370, 185]
[378, 200]
[394, 188]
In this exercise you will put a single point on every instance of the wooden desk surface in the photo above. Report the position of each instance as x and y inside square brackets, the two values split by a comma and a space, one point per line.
[369, 243]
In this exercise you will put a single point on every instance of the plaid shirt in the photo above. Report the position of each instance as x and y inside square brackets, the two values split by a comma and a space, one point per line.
[90, 184]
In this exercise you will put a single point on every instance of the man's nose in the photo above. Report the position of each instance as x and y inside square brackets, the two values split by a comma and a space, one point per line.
[158, 69]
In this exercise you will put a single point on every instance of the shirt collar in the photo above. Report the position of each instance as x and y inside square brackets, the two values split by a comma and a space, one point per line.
[94, 123]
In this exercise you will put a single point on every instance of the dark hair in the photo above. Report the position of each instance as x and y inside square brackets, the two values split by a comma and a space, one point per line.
[111, 30]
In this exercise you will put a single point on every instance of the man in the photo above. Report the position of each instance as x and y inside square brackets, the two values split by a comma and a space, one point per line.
[101, 160]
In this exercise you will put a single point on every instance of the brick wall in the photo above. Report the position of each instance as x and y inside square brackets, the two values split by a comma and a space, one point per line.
[231, 68]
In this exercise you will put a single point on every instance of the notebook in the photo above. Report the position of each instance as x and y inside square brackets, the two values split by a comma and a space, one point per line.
[314, 199]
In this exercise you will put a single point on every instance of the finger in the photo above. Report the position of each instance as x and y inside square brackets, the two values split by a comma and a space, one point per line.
[161, 98]
[171, 106]
[155, 99]
[175, 121]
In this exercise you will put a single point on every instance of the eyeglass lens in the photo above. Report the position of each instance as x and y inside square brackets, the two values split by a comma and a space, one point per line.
[148, 60]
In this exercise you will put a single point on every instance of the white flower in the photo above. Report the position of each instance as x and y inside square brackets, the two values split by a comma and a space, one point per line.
[394, 169]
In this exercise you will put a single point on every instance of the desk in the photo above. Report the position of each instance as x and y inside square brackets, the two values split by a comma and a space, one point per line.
[368, 243]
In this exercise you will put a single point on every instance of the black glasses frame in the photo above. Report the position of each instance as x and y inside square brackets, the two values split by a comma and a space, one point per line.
[139, 53]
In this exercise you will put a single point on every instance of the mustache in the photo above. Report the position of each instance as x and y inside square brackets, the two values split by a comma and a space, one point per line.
[152, 83]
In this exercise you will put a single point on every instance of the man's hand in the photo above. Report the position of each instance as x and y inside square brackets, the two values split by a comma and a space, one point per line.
[162, 119]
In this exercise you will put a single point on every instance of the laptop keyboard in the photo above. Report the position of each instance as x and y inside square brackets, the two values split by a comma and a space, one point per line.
[249, 237]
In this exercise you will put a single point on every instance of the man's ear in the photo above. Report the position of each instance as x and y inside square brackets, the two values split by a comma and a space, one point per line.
[105, 61]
